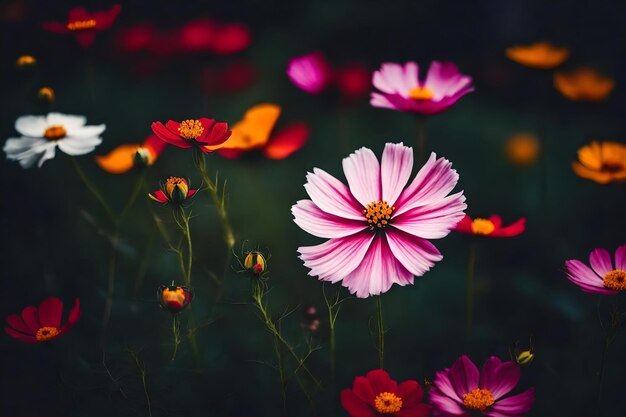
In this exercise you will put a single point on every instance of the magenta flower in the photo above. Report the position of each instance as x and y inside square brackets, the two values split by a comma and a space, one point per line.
[310, 73]
[462, 389]
[601, 278]
[402, 89]
[377, 229]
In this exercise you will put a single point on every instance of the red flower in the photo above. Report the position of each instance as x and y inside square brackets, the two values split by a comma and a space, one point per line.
[491, 227]
[84, 24]
[207, 35]
[174, 298]
[43, 323]
[202, 132]
[376, 394]
[175, 191]
[353, 81]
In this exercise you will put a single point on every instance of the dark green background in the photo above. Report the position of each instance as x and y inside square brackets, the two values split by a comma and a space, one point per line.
[51, 249]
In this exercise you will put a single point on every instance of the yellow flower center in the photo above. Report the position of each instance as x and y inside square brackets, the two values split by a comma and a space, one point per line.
[482, 226]
[615, 280]
[478, 399]
[46, 333]
[176, 182]
[55, 132]
[378, 214]
[387, 403]
[190, 129]
[82, 24]
[420, 93]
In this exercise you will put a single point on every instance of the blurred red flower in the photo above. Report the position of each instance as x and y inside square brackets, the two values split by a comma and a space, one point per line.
[44, 323]
[84, 24]
[491, 227]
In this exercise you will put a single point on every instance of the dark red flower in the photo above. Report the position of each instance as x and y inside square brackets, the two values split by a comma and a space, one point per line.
[84, 24]
[491, 227]
[43, 323]
[136, 38]
[233, 77]
[376, 394]
[174, 298]
[205, 133]
[207, 35]
[353, 81]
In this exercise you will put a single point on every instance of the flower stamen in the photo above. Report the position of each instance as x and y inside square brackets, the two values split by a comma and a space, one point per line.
[387, 403]
[482, 226]
[55, 132]
[378, 214]
[615, 280]
[478, 399]
[420, 93]
[190, 129]
[46, 333]
[82, 25]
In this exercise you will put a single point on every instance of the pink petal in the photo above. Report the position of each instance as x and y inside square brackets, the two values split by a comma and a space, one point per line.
[464, 376]
[381, 100]
[50, 311]
[444, 79]
[432, 183]
[395, 170]
[417, 255]
[363, 174]
[435, 220]
[498, 377]
[336, 258]
[310, 73]
[321, 224]
[446, 406]
[444, 385]
[377, 272]
[518, 404]
[581, 275]
[332, 196]
[394, 79]
[620, 258]
[600, 261]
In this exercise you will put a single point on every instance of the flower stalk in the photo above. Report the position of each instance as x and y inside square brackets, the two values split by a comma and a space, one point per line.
[381, 332]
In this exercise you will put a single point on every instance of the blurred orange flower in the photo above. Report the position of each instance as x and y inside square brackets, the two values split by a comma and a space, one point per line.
[539, 55]
[602, 162]
[584, 84]
[123, 158]
[522, 149]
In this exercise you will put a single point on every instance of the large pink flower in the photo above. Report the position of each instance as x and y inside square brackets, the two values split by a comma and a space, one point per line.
[459, 391]
[403, 90]
[377, 229]
[601, 278]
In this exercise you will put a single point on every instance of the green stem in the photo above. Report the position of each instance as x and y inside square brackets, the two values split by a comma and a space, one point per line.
[182, 220]
[176, 334]
[133, 197]
[108, 306]
[471, 263]
[381, 332]
[94, 190]
[281, 374]
[220, 204]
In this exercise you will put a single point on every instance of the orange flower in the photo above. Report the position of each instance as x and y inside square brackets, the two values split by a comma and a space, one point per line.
[602, 162]
[123, 158]
[583, 84]
[539, 55]
[522, 149]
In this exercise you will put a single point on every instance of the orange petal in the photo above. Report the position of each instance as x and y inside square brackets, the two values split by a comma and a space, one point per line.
[253, 131]
[597, 176]
[119, 160]
[540, 55]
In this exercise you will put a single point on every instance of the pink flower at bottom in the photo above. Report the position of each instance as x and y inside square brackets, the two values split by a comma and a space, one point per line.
[601, 278]
[459, 390]
[401, 89]
[377, 228]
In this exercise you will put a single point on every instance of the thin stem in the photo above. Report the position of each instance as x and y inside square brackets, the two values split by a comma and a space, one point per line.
[421, 138]
[381, 332]
[175, 334]
[219, 201]
[471, 263]
[133, 197]
[182, 220]
[142, 371]
[281, 374]
[108, 306]
[94, 190]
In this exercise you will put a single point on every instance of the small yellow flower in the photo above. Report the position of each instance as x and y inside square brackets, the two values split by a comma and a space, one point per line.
[602, 162]
[583, 84]
[539, 55]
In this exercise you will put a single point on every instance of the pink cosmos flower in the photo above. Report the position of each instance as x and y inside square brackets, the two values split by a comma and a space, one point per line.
[377, 229]
[601, 278]
[403, 90]
[458, 391]
[310, 73]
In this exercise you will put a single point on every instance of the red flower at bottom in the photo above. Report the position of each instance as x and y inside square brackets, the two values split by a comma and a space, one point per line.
[43, 323]
[376, 394]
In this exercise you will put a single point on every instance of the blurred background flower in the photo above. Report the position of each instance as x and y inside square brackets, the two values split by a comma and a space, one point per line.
[583, 84]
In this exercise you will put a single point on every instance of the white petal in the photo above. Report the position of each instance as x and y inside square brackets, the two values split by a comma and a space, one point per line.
[48, 154]
[33, 126]
[78, 146]
[66, 120]
[85, 131]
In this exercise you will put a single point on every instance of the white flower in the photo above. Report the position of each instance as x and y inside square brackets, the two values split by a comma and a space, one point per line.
[42, 134]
